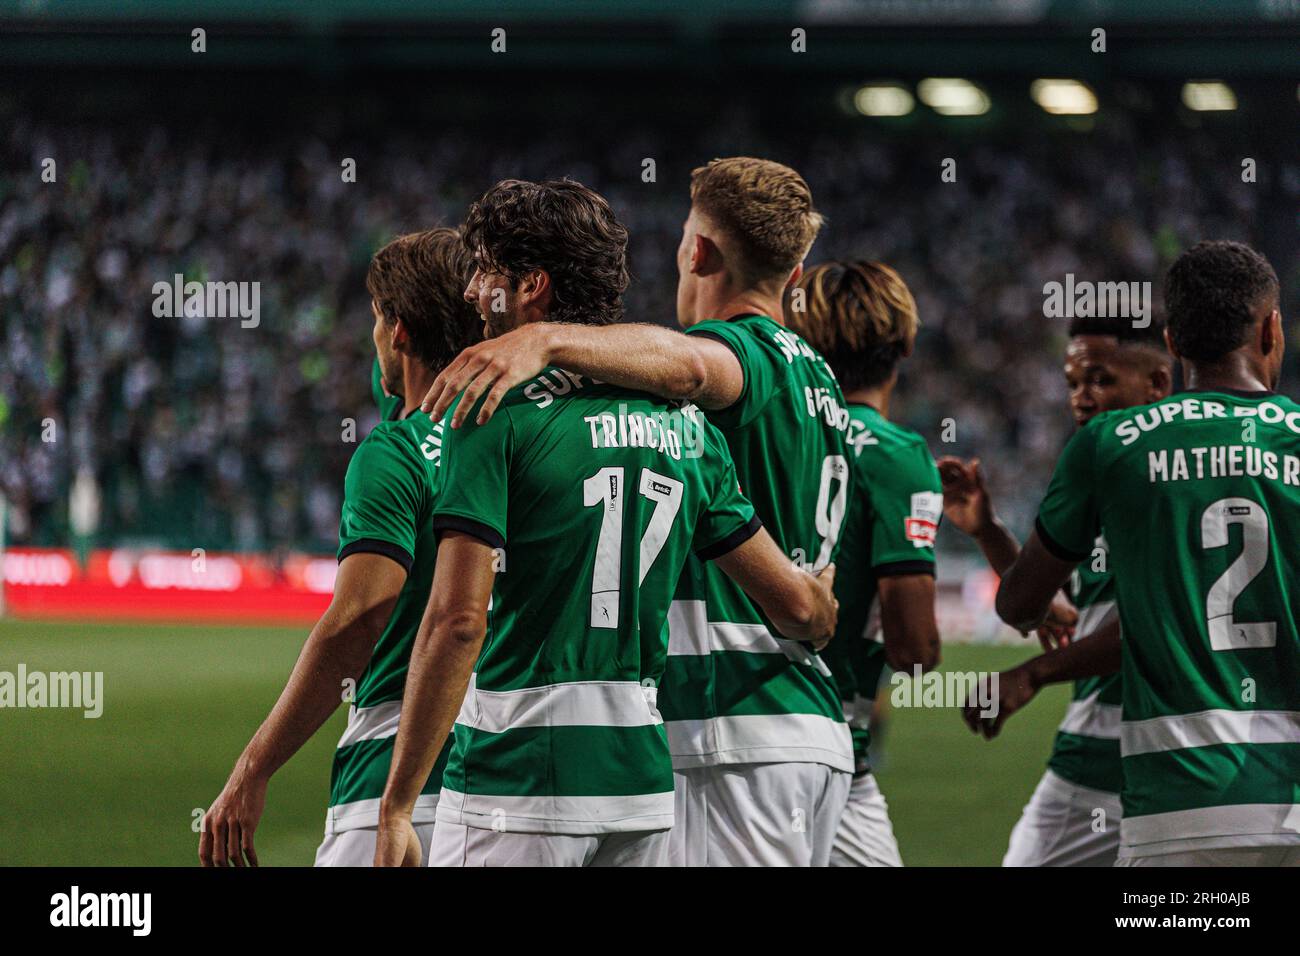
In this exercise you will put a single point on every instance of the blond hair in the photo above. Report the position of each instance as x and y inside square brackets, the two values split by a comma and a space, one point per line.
[859, 315]
[765, 208]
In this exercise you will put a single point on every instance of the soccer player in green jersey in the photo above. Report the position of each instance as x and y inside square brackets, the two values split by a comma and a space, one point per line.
[862, 318]
[762, 755]
[1198, 498]
[359, 650]
[586, 499]
[1073, 817]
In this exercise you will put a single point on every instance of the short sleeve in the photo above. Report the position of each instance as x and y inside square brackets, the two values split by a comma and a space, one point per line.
[763, 375]
[1067, 519]
[906, 507]
[382, 494]
[475, 466]
[728, 520]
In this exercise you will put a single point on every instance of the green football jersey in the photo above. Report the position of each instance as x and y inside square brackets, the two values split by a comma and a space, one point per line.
[736, 691]
[595, 495]
[389, 493]
[895, 505]
[1086, 749]
[1198, 497]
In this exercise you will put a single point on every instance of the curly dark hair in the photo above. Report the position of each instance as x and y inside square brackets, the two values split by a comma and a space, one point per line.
[1211, 291]
[563, 228]
[420, 278]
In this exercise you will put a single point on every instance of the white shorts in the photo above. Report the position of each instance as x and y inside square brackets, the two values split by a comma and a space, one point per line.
[1061, 826]
[1225, 856]
[865, 837]
[457, 845]
[757, 814]
[357, 847]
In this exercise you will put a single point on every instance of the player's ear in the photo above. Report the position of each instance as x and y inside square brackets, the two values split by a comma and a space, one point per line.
[534, 289]
[401, 336]
[1270, 333]
[1161, 380]
[795, 275]
[701, 249]
[1169, 344]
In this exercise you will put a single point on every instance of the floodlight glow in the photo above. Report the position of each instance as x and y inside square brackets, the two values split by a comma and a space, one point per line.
[883, 99]
[1208, 96]
[953, 97]
[1063, 97]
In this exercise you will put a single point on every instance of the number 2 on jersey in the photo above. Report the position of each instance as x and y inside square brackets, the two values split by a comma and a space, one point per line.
[605, 488]
[1227, 634]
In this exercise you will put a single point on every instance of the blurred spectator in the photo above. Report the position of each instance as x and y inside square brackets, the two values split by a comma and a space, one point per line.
[203, 433]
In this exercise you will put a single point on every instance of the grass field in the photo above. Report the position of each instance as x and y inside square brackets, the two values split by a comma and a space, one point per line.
[180, 702]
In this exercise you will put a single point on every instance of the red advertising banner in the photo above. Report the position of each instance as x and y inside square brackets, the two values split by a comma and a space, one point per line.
[147, 585]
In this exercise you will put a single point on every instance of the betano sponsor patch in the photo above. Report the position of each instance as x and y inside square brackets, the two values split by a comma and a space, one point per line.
[922, 524]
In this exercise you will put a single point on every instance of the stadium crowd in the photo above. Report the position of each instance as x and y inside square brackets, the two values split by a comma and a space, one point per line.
[200, 431]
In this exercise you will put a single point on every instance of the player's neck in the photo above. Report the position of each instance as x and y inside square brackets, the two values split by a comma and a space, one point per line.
[417, 379]
[877, 396]
[1234, 372]
[744, 302]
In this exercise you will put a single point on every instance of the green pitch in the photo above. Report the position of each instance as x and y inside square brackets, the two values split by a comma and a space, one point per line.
[181, 701]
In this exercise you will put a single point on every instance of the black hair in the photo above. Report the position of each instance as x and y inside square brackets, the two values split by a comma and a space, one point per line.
[1211, 293]
[1151, 336]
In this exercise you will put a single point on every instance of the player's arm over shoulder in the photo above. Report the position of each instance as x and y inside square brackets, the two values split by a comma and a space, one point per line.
[743, 371]
[650, 358]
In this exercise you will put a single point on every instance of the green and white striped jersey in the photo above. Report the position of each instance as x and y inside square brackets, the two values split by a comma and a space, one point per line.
[1198, 497]
[389, 494]
[1086, 750]
[596, 496]
[736, 691]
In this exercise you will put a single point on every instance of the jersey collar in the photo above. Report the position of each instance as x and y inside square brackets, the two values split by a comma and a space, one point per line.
[1239, 392]
[863, 405]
